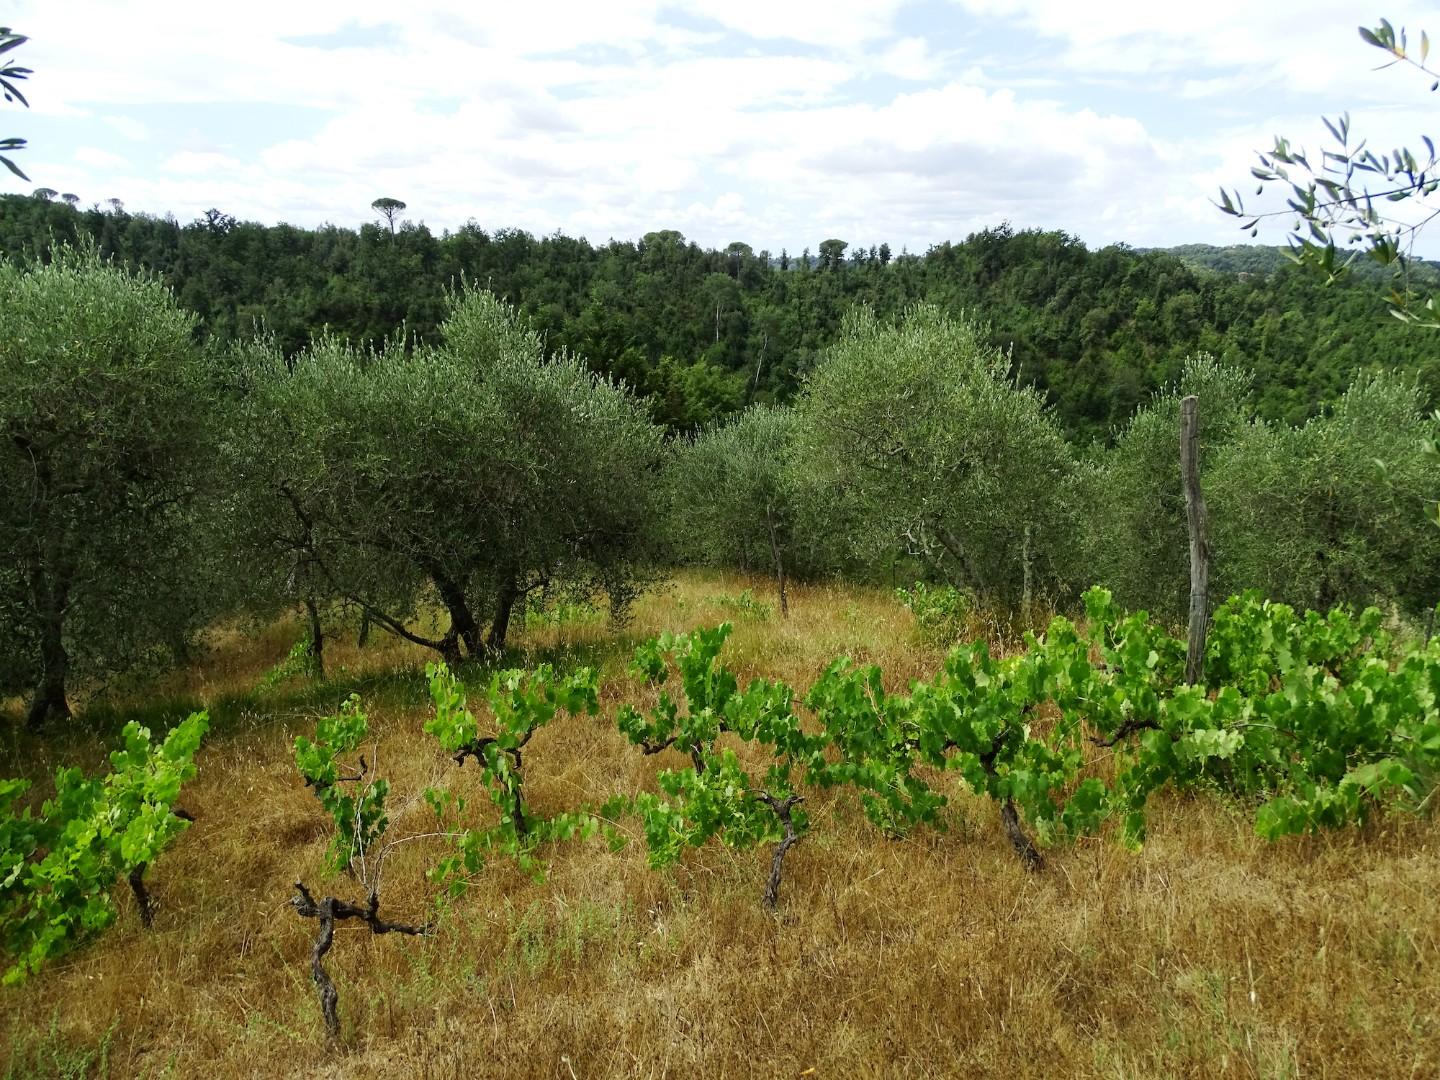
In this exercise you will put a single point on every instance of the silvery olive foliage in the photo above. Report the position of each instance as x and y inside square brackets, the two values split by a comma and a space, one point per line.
[1354, 200]
[1333, 511]
[916, 436]
[463, 478]
[732, 499]
[1132, 535]
[105, 454]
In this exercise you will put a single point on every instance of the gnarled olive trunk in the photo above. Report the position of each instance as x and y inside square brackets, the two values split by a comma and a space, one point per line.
[505, 600]
[317, 636]
[49, 701]
[779, 565]
[463, 626]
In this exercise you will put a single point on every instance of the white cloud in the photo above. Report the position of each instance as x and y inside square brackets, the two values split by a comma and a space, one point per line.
[129, 128]
[910, 58]
[1307, 48]
[199, 163]
[840, 24]
[775, 123]
[99, 159]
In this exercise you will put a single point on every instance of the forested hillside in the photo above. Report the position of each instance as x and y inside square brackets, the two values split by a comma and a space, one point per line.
[706, 332]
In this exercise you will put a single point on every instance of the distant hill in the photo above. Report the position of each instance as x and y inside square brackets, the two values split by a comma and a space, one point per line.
[1267, 259]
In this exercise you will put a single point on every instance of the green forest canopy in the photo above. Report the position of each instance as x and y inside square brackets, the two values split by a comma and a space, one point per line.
[705, 332]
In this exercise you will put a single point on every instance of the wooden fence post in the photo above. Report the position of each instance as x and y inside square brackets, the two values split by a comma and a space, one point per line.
[1199, 527]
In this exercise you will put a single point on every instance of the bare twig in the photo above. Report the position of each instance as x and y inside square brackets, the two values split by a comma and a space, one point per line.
[1128, 728]
[477, 748]
[697, 756]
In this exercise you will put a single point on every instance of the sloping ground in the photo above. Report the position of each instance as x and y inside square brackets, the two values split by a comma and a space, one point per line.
[1210, 953]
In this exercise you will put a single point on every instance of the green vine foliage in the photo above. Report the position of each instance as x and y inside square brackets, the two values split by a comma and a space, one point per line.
[1314, 716]
[58, 867]
[1013, 727]
[520, 703]
[359, 813]
[983, 716]
[942, 612]
[1309, 717]
[875, 737]
[1312, 721]
[717, 796]
[299, 661]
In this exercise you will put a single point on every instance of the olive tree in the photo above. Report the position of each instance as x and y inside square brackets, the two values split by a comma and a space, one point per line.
[1332, 511]
[1335, 510]
[467, 476]
[276, 507]
[1132, 536]
[731, 502]
[916, 435]
[103, 442]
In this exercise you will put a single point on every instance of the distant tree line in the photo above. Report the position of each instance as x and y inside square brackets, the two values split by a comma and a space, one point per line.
[702, 333]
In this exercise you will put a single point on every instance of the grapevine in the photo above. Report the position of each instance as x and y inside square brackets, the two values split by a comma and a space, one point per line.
[58, 867]
[360, 824]
[359, 817]
[1311, 718]
[521, 703]
[717, 796]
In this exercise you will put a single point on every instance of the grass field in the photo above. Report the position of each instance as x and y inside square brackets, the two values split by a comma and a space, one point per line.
[1210, 953]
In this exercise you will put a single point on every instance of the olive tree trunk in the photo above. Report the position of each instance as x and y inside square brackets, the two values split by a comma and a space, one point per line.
[49, 702]
[779, 565]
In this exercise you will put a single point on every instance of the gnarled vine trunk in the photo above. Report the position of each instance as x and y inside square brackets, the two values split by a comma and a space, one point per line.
[327, 911]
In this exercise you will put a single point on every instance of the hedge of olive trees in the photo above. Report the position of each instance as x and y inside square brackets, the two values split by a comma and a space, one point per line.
[468, 476]
[148, 489]
[1337, 510]
[915, 439]
[916, 436]
[1130, 524]
[732, 500]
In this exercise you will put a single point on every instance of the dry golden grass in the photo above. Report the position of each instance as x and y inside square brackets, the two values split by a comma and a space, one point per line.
[1210, 953]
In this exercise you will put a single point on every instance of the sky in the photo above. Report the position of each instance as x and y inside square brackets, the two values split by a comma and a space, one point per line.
[778, 123]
